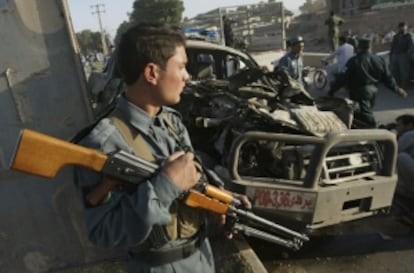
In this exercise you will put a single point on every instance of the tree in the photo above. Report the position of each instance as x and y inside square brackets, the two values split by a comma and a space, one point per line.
[163, 11]
[313, 6]
[89, 41]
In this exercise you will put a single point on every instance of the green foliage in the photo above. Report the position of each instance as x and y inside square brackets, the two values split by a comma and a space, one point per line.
[164, 11]
[313, 6]
[90, 41]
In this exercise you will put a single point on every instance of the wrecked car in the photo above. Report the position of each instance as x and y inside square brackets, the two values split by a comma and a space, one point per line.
[296, 157]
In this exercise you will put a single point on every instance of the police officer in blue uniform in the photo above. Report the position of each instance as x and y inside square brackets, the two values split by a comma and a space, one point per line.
[292, 61]
[363, 73]
[161, 233]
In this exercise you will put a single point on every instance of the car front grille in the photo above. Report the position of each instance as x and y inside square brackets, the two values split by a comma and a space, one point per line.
[357, 161]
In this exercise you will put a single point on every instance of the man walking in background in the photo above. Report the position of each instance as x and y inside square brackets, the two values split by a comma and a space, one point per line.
[333, 23]
[228, 31]
[363, 73]
[400, 55]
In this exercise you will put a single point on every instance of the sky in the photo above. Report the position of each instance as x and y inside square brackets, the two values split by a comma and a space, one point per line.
[115, 11]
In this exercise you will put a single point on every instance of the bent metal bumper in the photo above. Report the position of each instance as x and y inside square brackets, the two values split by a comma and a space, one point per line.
[344, 176]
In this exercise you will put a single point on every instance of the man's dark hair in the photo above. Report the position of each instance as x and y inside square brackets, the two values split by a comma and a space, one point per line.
[147, 43]
[406, 119]
[342, 39]
[402, 24]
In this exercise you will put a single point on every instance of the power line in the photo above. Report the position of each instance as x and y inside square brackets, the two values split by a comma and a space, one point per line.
[99, 9]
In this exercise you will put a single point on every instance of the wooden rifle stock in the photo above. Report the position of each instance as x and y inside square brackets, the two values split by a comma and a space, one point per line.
[198, 200]
[43, 155]
[220, 194]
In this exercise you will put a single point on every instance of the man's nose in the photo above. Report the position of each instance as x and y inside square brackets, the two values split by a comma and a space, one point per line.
[187, 76]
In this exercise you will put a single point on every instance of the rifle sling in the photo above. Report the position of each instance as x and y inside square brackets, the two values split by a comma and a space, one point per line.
[171, 128]
[135, 140]
[132, 137]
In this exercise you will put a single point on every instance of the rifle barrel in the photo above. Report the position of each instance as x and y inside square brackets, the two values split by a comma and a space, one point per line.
[252, 232]
[255, 218]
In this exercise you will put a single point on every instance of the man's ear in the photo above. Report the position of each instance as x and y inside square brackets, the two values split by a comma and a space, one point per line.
[151, 73]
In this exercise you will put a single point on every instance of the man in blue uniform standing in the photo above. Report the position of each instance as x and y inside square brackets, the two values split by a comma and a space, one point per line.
[292, 62]
[363, 73]
[161, 233]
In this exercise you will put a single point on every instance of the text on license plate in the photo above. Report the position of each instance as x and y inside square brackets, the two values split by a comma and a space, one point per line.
[282, 199]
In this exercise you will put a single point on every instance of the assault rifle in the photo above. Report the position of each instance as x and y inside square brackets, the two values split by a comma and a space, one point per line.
[44, 155]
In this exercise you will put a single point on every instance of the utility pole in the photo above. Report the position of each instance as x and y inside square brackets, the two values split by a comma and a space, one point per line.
[98, 10]
[282, 9]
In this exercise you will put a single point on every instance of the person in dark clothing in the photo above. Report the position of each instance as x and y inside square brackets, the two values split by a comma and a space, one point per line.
[400, 54]
[405, 156]
[228, 31]
[363, 73]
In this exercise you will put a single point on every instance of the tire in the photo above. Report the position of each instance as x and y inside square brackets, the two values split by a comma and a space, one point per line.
[320, 79]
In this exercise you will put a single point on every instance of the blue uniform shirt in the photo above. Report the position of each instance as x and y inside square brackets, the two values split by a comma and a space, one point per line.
[293, 65]
[127, 219]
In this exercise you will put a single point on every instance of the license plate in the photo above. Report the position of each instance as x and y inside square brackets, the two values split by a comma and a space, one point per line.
[282, 199]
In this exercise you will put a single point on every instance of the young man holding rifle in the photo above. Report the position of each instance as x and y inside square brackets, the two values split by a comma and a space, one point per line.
[138, 175]
[161, 233]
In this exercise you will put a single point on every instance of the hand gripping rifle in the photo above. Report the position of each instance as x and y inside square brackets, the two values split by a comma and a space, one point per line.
[43, 155]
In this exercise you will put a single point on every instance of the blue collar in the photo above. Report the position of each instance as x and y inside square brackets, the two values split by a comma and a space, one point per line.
[137, 116]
